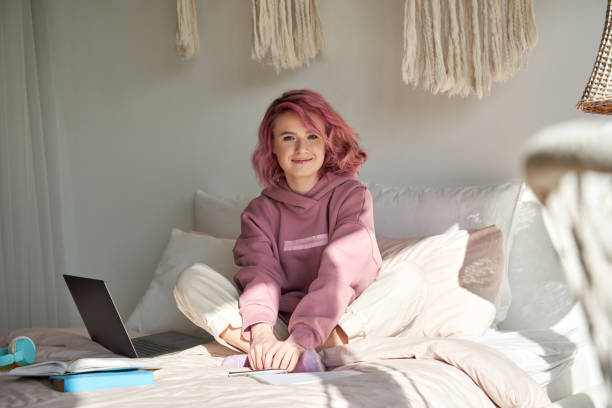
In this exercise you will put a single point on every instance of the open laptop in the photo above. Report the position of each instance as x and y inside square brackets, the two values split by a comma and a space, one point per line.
[102, 320]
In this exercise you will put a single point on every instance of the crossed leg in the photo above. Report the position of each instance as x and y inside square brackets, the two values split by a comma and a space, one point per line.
[210, 301]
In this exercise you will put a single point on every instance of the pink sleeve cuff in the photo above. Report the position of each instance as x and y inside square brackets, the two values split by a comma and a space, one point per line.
[258, 315]
[304, 337]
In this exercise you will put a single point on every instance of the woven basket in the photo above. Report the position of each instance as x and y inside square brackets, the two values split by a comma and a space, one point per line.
[597, 97]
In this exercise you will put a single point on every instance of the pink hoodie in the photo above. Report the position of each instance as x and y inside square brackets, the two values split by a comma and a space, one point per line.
[306, 257]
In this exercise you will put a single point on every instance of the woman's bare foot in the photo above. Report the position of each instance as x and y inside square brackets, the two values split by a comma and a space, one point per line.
[233, 337]
[336, 338]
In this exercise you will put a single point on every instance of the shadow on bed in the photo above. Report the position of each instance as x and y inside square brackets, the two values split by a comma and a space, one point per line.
[26, 392]
[560, 353]
[392, 394]
[579, 400]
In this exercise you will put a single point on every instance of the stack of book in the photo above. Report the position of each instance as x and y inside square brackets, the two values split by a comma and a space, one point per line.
[88, 374]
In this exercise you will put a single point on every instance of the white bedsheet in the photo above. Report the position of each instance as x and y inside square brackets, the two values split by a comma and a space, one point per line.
[195, 377]
[543, 354]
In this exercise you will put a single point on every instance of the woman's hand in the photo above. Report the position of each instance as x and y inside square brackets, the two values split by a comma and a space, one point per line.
[267, 352]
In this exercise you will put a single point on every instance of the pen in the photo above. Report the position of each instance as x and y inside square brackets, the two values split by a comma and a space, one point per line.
[250, 372]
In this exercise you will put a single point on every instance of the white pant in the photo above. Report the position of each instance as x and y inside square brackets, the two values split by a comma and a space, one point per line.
[384, 309]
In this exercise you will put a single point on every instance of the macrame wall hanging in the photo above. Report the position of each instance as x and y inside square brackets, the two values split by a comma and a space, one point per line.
[286, 33]
[460, 47]
[187, 38]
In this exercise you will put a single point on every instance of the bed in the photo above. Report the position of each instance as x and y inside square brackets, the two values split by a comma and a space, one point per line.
[525, 346]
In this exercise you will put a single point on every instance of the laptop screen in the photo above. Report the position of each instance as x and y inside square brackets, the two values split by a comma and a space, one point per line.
[98, 311]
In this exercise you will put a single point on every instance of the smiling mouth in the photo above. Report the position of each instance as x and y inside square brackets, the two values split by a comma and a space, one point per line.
[300, 161]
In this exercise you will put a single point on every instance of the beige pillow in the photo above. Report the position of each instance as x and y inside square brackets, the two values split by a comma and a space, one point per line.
[464, 271]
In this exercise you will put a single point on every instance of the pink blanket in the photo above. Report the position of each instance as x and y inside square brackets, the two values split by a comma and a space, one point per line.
[490, 372]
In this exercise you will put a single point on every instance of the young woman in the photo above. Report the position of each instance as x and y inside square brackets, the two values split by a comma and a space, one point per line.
[307, 249]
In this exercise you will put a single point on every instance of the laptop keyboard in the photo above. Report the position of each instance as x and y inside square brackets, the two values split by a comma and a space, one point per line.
[146, 348]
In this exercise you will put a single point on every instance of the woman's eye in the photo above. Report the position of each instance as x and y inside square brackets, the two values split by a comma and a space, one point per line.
[287, 138]
[313, 137]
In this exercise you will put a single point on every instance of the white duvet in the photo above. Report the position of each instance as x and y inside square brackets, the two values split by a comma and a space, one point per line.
[404, 372]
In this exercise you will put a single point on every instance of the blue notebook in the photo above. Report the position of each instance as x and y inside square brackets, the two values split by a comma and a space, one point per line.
[101, 379]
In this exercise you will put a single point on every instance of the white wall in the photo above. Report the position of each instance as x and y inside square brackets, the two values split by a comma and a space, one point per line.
[143, 129]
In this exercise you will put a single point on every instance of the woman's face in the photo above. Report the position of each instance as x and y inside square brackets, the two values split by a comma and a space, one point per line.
[299, 152]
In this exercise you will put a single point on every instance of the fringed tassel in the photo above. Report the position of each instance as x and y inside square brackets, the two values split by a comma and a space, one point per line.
[463, 81]
[531, 33]
[427, 70]
[315, 42]
[453, 57]
[485, 58]
[496, 41]
[411, 60]
[286, 33]
[439, 82]
[187, 38]
[463, 47]
[476, 48]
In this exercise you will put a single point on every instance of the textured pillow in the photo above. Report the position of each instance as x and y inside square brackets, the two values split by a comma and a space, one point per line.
[157, 309]
[422, 212]
[464, 271]
[398, 212]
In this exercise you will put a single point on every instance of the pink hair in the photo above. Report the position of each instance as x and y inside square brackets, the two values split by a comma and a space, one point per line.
[343, 155]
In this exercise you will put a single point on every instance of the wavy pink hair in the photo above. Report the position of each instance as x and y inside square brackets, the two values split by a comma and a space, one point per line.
[343, 155]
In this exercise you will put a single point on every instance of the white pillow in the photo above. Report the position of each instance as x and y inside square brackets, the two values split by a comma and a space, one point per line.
[157, 309]
[541, 297]
[398, 213]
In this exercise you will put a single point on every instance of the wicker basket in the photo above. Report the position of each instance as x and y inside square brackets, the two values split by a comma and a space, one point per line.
[597, 97]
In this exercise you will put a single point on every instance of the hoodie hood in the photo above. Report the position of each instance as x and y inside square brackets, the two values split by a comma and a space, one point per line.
[283, 193]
